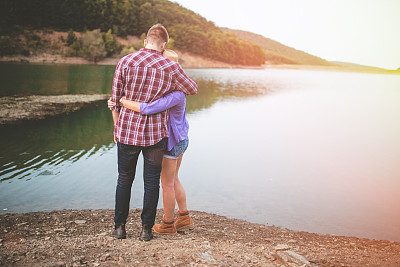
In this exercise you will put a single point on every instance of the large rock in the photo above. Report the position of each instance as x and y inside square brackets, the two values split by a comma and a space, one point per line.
[15, 108]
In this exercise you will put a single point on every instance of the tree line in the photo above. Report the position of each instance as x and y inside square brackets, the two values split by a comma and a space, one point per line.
[190, 32]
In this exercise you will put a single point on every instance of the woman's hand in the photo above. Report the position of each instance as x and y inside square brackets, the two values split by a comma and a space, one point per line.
[121, 101]
[110, 104]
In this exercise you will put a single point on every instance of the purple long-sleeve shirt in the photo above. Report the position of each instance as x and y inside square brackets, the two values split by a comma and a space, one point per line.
[178, 126]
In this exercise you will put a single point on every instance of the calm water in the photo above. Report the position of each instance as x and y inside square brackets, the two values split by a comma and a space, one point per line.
[306, 150]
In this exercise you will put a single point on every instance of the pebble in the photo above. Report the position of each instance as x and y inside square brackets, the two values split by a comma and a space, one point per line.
[281, 247]
[80, 221]
[206, 256]
[105, 257]
[291, 257]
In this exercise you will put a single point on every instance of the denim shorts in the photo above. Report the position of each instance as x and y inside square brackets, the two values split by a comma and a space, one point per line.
[177, 150]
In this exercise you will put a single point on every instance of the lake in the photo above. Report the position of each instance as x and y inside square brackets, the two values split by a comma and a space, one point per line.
[306, 150]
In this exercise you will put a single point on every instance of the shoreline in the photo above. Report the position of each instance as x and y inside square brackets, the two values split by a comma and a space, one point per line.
[36, 107]
[82, 237]
[190, 61]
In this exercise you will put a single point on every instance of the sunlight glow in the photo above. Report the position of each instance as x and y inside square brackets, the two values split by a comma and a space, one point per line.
[358, 31]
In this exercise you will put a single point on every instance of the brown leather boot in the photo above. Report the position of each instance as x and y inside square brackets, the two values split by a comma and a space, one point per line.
[184, 221]
[166, 228]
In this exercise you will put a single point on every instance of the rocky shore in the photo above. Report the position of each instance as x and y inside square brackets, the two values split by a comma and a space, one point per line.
[16, 108]
[82, 238]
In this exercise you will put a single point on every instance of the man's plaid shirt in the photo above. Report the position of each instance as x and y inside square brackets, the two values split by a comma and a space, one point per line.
[146, 76]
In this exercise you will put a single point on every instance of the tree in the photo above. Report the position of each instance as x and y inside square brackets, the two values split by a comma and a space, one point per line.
[110, 43]
[71, 38]
[188, 31]
[92, 45]
[145, 18]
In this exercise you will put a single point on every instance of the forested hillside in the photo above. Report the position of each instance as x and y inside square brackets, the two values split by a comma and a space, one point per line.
[190, 32]
[277, 53]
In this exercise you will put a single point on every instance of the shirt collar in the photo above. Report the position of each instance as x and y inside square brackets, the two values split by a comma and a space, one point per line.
[151, 50]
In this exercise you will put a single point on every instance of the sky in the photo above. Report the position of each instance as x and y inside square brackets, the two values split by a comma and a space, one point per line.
[365, 32]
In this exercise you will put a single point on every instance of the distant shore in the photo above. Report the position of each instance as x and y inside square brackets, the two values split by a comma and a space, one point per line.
[82, 237]
[191, 61]
[370, 70]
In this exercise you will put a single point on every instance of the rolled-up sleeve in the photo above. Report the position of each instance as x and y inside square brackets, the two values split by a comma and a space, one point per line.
[117, 86]
[183, 83]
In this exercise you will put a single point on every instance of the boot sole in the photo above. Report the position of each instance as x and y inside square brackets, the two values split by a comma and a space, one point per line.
[164, 233]
[185, 228]
[145, 239]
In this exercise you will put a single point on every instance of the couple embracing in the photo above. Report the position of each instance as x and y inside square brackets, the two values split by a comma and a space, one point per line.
[148, 106]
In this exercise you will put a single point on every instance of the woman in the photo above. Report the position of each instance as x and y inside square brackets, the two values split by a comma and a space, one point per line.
[177, 144]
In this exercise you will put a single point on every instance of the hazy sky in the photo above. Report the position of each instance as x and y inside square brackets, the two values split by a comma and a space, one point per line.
[360, 31]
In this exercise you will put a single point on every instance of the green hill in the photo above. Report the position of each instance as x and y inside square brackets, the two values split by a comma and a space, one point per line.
[277, 53]
[190, 31]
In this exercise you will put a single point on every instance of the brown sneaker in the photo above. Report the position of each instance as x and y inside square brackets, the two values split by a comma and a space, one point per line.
[166, 228]
[184, 222]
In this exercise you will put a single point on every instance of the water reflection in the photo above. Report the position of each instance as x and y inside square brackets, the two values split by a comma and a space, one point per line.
[32, 145]
[35, 79]
[220, 85]
[28, 146]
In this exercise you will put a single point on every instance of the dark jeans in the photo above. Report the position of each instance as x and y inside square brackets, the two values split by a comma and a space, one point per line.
[127, 160]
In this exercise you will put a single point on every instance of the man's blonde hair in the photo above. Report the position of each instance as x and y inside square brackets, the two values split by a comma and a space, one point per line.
[171, 54]
[158, 33]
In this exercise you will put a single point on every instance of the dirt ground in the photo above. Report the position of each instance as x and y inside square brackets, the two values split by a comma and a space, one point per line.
[82, 238]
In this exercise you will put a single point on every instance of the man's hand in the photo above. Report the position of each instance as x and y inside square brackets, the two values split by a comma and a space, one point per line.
[110, 104]
[115, 139]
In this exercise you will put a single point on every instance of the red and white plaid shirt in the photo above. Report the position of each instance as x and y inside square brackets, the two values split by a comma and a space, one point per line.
[146, 76]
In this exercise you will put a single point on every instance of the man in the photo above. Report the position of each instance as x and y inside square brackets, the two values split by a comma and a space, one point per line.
[143, 76]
